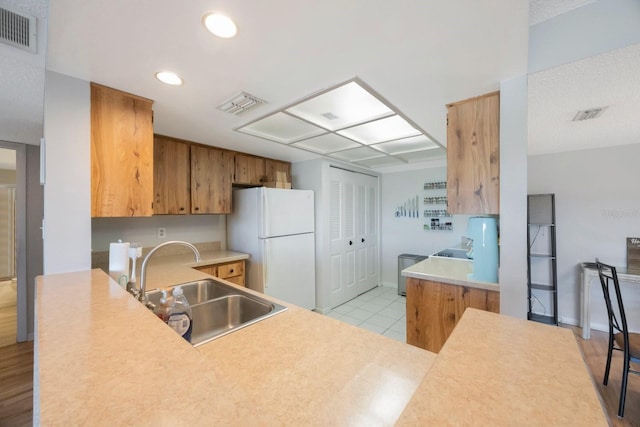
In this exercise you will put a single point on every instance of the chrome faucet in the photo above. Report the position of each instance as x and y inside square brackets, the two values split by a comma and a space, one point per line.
[141, 293]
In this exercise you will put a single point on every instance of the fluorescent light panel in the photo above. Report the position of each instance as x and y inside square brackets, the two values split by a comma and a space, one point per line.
[344, 123]
[283, 128]
[341, 107]
[390, 128]
[406, 145]
[326, 143]
[355, 154]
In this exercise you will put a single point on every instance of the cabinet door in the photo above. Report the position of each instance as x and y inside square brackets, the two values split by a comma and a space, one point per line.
[434, 309]
[274, 166]
[249, 170]
[211, 176]
[473, 156]
[171, 176]
[121, 154]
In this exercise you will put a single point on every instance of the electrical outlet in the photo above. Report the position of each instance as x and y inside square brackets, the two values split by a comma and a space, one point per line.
[162, 232]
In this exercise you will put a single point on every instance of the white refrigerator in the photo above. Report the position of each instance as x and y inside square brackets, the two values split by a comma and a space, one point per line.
[276, 228]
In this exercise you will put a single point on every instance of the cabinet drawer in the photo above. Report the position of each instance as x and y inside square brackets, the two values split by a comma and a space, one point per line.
[238, 280]
[232, 269]
[208, 269]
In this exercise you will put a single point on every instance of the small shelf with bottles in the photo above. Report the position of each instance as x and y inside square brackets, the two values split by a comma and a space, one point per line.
[436, 215]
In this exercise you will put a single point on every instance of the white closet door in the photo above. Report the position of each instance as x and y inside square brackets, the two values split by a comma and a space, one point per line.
[354, 234]
[367, 238]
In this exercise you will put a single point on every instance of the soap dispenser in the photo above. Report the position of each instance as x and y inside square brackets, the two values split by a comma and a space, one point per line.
[180, 315]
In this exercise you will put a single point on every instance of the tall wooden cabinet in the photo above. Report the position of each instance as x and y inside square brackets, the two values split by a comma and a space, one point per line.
[121, 153]
[473, 155]
[211, 180]
[171, 176]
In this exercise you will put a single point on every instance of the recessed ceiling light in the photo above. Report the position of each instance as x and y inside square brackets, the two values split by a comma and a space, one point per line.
[220, 25]
[169, 78]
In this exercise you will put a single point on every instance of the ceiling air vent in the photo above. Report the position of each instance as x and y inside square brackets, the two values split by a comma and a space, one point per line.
[18, 29]
[591, 113]
[240, 103]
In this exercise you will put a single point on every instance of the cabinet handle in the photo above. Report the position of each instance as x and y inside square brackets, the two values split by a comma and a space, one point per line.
[350, 243]
[181, 209]
[197, 208]
[362, 240]
[231, 270]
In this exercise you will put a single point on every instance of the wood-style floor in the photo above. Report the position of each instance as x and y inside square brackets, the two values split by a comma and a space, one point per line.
[8, 325]
[595, 354]
[16, 381]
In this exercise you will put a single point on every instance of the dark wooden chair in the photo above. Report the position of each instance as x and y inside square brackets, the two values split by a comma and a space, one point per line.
[619, 337]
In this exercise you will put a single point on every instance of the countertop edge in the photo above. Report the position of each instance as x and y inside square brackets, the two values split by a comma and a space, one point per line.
[422, 271]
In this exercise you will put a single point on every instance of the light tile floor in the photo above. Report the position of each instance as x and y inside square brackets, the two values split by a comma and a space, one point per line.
[380, 310]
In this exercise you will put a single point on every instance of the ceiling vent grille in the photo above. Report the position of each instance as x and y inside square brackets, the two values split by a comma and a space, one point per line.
[591, 113]
[18, 29]
[240, 103]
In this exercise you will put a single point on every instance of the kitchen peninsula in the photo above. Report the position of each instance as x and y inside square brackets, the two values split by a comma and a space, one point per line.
[101, 358]
[438, 292]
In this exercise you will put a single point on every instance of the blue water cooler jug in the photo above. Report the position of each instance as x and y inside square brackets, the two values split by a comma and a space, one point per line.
[483, 231]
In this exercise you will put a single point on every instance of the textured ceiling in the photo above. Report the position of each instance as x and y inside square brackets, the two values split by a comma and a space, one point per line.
[541, 10]
[417, 54]
[22, 81]
[556, 95]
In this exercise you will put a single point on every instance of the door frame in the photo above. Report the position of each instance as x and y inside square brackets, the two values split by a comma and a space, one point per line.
[21, 237]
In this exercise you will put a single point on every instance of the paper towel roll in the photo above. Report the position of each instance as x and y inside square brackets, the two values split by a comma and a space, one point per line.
[119, 262]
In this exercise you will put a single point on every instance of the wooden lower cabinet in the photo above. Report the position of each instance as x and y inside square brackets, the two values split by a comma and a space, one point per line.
[230, 271]
[434, 309]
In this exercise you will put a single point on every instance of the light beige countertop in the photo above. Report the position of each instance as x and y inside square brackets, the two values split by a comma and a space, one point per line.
[453, 271]
[101, 358]
[104, 359]
[503, 371]
[167, 266]
[177, 268]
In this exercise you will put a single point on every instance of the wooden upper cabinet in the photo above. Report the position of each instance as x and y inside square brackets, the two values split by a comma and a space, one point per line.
[211, 179]
[473, 155]
[249, 170]
[171, 176]
[273, 166]
[121, 153]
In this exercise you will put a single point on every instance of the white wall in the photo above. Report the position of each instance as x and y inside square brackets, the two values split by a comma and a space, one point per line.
[190, 228]
[401, 235]
[597, 208]
[513, 197]
[67, 192]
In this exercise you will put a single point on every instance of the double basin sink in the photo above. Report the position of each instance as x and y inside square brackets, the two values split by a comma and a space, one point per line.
[219, 309]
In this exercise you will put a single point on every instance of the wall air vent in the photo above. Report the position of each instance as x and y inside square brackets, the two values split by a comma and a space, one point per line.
[591, 113]
[18, 29]
[240, 103]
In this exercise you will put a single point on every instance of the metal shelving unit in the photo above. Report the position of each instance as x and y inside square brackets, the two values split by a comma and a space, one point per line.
[542, 276]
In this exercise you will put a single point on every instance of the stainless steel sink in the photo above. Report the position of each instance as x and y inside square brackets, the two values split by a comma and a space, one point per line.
[197, 292]
[218, 317]
[219, 309]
